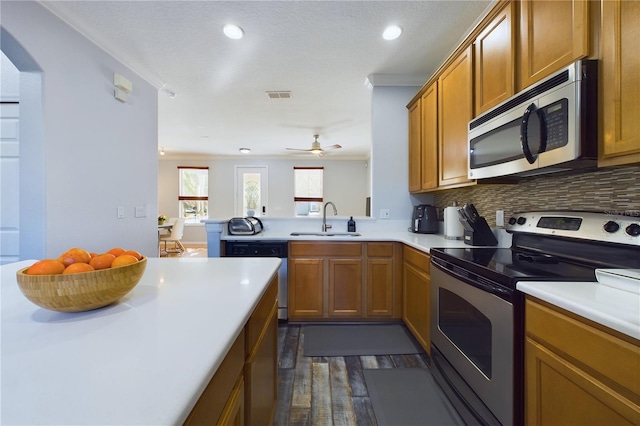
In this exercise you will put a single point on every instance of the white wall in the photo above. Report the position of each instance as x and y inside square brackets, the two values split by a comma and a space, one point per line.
[84, 153]
[345, 183]
[390, 153]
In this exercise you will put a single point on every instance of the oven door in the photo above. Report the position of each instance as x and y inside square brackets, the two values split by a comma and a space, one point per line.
[473, 330]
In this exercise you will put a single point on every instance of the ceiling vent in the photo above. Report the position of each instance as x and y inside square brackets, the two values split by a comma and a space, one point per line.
[279, 95]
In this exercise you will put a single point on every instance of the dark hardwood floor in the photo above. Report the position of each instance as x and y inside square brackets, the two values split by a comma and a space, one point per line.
[327, 391]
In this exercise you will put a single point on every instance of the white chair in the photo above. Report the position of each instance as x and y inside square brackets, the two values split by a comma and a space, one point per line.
[166, 232]
[176, 235]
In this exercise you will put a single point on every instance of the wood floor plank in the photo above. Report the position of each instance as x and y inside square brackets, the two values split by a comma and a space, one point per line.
[302, 378]
[285, 392]
[364, 411]
[369, 362]
[408, 361]
[289, 350]
[384, 361]
[341, 403]
[321, 413]
[298, 417]
[356, 378]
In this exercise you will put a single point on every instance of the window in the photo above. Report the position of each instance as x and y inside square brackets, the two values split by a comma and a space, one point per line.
[307, 190]
[193, 198]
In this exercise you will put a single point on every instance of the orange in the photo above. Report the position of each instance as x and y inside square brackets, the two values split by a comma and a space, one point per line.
[116, 251]
[46, 267]
[75, 255]
[122, 260]
[102, 261]
[93, 254]
[134, 253]
[76, 268]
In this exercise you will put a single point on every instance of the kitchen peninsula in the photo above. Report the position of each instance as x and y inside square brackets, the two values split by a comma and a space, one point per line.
[146, 359]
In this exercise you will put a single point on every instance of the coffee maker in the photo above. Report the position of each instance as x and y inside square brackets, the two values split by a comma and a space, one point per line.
[424, 220]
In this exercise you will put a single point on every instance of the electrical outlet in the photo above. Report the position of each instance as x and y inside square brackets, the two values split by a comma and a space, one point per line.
[384, 214]
[120, 212]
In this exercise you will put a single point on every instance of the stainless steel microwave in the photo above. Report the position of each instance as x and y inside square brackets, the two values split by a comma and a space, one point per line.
[551, 126]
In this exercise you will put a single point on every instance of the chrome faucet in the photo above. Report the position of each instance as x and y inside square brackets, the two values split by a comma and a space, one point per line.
[324, 215]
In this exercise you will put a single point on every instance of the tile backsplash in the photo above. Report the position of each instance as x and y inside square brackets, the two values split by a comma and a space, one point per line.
[615, 190]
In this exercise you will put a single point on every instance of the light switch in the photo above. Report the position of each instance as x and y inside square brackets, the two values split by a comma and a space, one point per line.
[120, 212]
[141, 211]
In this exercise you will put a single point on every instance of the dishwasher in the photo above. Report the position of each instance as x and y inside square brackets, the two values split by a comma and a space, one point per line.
[256, 248]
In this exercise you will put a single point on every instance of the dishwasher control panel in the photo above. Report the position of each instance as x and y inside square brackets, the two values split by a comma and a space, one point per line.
[256, 249]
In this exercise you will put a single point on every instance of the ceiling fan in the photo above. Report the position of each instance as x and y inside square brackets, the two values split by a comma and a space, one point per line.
[316, 148]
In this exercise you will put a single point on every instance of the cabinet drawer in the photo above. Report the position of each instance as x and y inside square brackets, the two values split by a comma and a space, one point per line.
[417, 258]
[260, 316]
[309, 248]
[611, 359]
[380, 249]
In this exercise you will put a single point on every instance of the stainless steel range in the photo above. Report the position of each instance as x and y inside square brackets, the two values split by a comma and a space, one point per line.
[477, 318]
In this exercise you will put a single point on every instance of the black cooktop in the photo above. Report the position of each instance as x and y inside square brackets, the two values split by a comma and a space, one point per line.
[507, 266]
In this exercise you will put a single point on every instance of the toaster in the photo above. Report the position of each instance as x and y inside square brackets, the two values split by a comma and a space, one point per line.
[244, 226]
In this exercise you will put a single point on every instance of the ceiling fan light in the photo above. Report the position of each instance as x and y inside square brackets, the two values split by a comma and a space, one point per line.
[233, 31]
[392, 32]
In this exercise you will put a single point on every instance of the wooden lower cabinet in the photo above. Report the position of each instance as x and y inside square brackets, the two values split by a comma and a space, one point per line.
[578, 372]
[345, 287]
[244, 389]
[233, 413]
[416, 295]
[216, 398]
[344, 280]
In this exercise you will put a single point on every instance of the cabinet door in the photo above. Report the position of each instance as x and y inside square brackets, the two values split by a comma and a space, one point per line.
[416, 304]
[380, 287]
[306, 278]
[429, 126]
[233, 414]
[621, 85]
[495, 61]
[455, 111]
[553, 34]
[261, 373]
[415, 147]
[345, 287]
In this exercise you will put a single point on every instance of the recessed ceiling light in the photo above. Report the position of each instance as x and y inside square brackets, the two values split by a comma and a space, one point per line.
[392, 32]
[233, 31]
[245, 150]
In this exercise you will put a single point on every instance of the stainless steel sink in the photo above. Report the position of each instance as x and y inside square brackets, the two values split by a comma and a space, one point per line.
[325, 234]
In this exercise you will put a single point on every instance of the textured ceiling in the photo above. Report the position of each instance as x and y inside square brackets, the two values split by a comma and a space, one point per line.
[321, 51]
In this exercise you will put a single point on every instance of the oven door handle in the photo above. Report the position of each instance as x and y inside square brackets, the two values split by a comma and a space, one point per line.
[483, 284]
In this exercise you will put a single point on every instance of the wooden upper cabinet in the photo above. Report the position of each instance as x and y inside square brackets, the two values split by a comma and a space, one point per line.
[553, 34]
[495, 61]
[455, 110]
[429, 103]
[620, 83]
[415, 144]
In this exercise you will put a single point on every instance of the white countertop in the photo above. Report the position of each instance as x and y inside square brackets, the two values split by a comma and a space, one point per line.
[613, 308]
[422, 242]
[144, 360]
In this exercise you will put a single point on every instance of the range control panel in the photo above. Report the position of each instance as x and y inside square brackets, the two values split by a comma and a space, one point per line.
[621, 227]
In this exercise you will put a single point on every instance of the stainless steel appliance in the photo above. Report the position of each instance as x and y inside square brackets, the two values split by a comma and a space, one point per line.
[548, 127]
[265, 248]
[477, 315]
[244, 226]
[424, 219]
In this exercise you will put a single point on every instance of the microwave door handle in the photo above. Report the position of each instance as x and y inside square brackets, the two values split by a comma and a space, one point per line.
[524, 133]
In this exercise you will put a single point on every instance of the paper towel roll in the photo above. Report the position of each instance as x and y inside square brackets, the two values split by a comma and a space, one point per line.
[453, 229]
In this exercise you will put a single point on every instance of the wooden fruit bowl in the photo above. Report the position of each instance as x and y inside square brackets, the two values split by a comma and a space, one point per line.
[83, 291]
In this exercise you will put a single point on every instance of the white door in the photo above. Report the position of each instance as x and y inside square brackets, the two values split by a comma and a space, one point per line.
[251, 191]
[9, 183]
